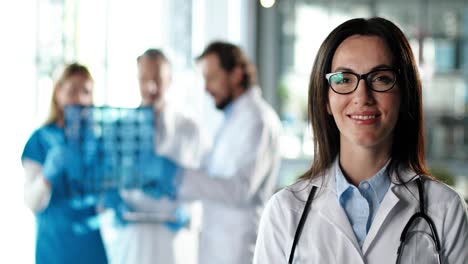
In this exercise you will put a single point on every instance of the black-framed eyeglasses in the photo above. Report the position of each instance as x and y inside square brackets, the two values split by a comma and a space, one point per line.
[346, 82]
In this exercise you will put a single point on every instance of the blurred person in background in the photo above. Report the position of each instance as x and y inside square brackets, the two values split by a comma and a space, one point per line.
[240, 172]
[67, 227]
[147, 237]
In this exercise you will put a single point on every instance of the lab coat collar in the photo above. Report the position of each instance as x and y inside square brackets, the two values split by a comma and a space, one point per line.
[240, 102]
[327, 205]
[406, 176]
[330, 209]
[251, 92]
[390, 200]
[328, 181]
[334, 213]
[228, 109]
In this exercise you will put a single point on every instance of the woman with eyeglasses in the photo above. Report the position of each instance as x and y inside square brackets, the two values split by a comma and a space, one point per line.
[368, 197]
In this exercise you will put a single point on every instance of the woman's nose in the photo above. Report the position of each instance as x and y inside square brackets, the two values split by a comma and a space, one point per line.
[363, 94]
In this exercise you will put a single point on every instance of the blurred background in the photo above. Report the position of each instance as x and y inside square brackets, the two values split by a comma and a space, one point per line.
[281, 37]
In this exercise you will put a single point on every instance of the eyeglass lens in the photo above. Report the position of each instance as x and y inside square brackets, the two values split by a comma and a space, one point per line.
[347, 82]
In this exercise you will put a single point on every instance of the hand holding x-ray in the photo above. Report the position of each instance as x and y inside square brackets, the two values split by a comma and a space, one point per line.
[159, 176]
[63, 165]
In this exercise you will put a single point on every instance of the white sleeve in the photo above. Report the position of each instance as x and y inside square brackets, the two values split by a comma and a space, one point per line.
[455, 232]
[37, 192]
[180, 139]
[251, 176]
[272, 235]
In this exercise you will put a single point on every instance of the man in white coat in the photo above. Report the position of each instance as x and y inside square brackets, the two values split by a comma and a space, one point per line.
[145, 237]
[240, 173]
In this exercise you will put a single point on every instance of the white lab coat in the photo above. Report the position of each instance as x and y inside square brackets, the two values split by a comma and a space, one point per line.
[328, 237]
[238, 178]
[180, 139]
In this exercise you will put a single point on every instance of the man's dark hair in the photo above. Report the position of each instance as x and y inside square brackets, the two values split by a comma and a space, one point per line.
[231, 56]
[154, 54]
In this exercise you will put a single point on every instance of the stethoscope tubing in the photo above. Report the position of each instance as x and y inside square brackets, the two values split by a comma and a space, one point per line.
[421, 214]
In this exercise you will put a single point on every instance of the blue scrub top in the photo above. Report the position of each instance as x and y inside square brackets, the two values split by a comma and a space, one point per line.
[68, 229]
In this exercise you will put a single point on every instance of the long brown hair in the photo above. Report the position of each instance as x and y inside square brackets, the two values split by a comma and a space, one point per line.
[55, 113]
[408, 135]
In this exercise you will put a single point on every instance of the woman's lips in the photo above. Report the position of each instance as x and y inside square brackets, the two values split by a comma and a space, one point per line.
[364, 118]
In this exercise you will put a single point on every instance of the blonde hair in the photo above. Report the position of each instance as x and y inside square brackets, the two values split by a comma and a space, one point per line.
[55, 113]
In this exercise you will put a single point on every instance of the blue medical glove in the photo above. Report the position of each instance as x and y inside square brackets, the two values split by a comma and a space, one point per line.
[112, 200]
[62, 161]
[159, 177]
[182, 219]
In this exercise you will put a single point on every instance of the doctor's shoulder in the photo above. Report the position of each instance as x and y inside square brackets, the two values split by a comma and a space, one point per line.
[449, 212]
[443, 199]
[437, 193]
[288, 203]
[446, 208]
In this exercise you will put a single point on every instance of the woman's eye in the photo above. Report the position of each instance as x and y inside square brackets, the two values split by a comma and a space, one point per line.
[382, 79]
[344, 80]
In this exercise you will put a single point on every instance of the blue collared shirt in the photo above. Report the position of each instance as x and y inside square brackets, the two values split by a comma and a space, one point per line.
[361, 203]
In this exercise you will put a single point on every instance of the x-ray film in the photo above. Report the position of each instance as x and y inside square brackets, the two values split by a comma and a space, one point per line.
[113, 143]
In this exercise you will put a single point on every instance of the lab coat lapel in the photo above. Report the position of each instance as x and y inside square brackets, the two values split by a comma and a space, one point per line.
[334, 214]
[389, 202]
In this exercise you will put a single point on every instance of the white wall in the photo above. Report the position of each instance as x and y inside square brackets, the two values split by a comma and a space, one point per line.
[229, 20]
[17, 108]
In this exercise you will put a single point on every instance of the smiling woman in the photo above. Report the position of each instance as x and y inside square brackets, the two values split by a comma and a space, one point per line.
[368, 111]
[369, 172]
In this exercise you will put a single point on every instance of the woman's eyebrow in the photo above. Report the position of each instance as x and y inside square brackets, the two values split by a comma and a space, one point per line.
[343, 69]
[378, 67]
[382, 66]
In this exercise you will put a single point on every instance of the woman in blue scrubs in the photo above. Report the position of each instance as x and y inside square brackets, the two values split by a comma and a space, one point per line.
[67, 228]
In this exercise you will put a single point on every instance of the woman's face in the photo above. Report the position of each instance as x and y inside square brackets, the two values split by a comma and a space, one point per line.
[75, 90]
[365, 118]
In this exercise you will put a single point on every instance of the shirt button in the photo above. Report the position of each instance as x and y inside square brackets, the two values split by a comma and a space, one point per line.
[365, 185]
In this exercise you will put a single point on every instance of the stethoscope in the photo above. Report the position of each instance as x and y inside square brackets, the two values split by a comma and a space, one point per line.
[404, 235]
